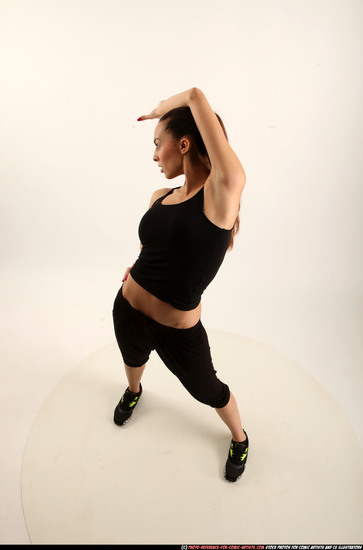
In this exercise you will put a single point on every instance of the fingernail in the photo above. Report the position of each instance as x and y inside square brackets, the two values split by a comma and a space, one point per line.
[139, 118]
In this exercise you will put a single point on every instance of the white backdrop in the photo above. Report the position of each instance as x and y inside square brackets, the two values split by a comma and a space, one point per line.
[77, 173]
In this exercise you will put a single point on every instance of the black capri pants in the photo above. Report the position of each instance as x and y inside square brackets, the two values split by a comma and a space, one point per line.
[185, 352]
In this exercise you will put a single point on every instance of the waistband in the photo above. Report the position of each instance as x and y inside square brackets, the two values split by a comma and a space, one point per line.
[122, 303]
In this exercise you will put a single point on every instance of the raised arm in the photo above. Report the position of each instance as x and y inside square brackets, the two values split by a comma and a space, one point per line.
[226, 169]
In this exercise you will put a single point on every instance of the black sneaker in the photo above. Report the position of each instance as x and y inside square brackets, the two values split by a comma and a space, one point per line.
[236, 461]
[126, 406]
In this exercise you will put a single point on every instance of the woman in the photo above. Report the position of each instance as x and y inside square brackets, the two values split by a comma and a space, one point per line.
[184, 237]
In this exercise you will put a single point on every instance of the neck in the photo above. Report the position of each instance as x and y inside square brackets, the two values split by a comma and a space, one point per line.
[195, 176]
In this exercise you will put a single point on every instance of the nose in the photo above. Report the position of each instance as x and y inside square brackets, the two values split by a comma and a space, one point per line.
[155, 156]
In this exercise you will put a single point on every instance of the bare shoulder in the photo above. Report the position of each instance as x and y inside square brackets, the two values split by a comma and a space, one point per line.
[157, 194]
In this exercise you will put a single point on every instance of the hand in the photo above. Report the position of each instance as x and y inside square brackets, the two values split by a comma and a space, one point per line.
[126, 274]
[155, 113]
[179, 100]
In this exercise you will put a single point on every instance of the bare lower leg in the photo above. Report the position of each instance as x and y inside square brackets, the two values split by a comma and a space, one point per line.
[134, 375]
[230, 416]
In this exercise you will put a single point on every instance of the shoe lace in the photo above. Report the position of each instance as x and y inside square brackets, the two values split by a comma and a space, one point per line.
[238, 452]
[129, 399]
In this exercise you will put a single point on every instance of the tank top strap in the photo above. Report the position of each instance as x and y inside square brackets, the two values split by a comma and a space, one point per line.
[200, 196]
[160, 199]
[168, 193]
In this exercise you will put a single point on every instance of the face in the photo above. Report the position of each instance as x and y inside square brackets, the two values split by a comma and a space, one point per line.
[167, 153]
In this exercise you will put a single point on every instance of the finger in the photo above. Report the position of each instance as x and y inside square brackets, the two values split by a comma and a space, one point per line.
[147, 117]
[150, 116]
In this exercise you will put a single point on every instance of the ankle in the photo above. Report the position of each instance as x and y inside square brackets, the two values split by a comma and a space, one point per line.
[134, 388]
[242, 437]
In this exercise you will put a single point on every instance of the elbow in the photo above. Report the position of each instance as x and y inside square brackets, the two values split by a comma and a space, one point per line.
[195, 94]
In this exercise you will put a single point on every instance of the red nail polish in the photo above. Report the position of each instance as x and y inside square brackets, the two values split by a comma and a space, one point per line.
[139, 118]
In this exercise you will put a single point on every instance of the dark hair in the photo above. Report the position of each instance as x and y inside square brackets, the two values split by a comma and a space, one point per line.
[180, 123]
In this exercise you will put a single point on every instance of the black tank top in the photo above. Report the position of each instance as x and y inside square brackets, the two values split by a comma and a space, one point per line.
[181, 253]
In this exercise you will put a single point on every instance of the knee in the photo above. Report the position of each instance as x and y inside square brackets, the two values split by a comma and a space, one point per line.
[216, 400]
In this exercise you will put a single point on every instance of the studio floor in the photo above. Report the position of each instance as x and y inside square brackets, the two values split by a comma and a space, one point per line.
[159, 479]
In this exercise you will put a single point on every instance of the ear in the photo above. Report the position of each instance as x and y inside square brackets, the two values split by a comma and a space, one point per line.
[184, 145]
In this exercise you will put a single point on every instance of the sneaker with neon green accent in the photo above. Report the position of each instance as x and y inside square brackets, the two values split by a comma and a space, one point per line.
[126, 406]
[236, 461]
